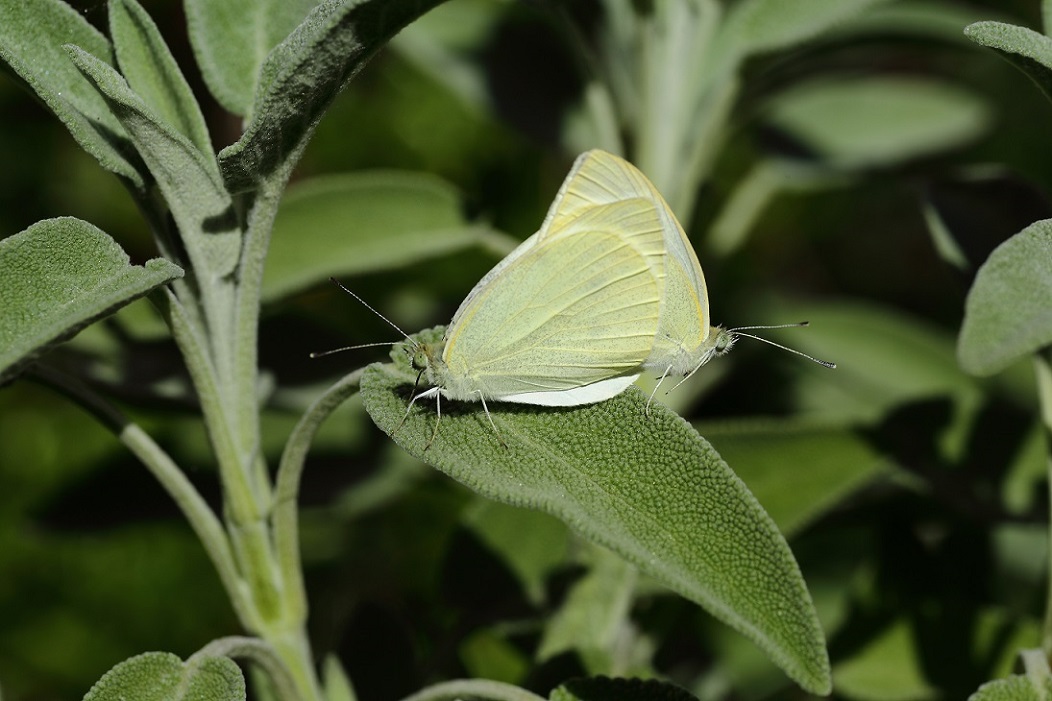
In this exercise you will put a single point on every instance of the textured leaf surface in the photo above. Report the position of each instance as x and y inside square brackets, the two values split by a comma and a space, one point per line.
[32, 36]
[59, 276]
[361, 223]
[649, 488]
[303, 74]
[1008, 313]
[161, 676]
[1014, 688]
[869, 122]
[1027, 50]
[188, 177]
[153, 74]
[231, 40]
[606, 689]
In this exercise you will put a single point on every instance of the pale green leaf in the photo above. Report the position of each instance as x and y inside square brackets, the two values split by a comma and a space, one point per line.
[649, 488]
[161, 676]
[302, 75]
[594, 613]
[151, 71]
[488, 655]
[1014, 688]
[231, 40]
[886, 669]
[797, 471]
[32, 36]
[188, 177]
[866, 122]
[59, 276]
[336, 685]
[362, 223]
[1007, 314]
[606, 689]
[754, 26]
[1024, 48]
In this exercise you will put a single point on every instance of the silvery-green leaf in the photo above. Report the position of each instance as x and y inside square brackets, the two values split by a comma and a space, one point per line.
[1026, 49]
[59, 276]
[302, 75]
[161, 676]
[151, 71]
[32, 36]
[1007, 313]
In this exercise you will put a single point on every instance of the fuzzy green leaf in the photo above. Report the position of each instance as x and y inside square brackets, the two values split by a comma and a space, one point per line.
[755, 26]
[188, 178]
[59, 276]
[1007, 314]
[649, 488]
[867, 122]
[302, 75]
[1014, 688]
[161, 676]
[231, 40]
[606, 689]
[32, 36]
[153, 74]
[362, 223]
[1024, 48]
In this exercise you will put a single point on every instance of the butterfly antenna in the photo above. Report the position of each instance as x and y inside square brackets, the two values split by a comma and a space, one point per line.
[370, 308]
[738, 332]
[322, 354]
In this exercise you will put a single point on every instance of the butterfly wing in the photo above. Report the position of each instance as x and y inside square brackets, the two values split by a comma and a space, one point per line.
[565, 312]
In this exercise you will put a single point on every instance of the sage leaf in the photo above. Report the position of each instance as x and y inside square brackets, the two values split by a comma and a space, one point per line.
[162, 676]
[59, 276]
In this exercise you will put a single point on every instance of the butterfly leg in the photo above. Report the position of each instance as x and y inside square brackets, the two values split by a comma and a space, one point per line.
[650, 400]
[492, 425]
[438, 419]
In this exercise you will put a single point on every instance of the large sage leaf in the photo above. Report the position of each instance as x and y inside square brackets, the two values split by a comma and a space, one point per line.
[59, 276]
[303, 74]
[188, 177]
[231, 39]
[362, 223]
[1007, 314]
[161, 676]
[32, 34]
[1014, 688]
[153, 74]
[649, 488]
[1026, 49]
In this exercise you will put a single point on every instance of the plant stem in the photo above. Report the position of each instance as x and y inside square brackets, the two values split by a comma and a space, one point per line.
[1043, 371]
[285, 518]
[473, 688]
[259, 652]
[206, 525]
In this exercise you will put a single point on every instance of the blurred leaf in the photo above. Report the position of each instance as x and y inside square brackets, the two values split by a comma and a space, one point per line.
[302, 75]
[335, 682]
[1023, 489]
[487, 655]
[595, 611]
[885, 670]
[151, 71]
[1014, 688]
[1000, 633]
[797, 471]
[1024, 48]
[754, 26]
[606, 689]
[652, 490]
[865, 122]
[531, 543]
[944, 21]
[1007, 314]
[346, 225]
[945, 243]
[32, 36]
[161, 676]
[754, 192]
[59, 276]
[188, 177]
[232, 38]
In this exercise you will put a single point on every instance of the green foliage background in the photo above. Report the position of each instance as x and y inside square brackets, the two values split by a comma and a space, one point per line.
[913, 495]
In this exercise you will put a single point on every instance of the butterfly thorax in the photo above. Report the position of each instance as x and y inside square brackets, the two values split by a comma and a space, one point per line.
[427, 359]
[676, 357]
